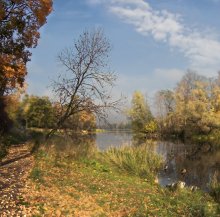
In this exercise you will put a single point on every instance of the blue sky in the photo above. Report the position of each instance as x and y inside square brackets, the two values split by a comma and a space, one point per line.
[153, 42]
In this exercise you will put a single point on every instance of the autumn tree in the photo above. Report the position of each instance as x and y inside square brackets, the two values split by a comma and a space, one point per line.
[87, 83]
[81, 121]
[192, 103]
[140, 115]
[192, 108]
[20, 21]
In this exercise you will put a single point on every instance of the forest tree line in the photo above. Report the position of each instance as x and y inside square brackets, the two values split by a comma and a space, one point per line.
[41, 112]
[191, 108]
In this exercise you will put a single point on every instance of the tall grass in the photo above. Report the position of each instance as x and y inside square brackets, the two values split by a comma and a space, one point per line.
[138, 161]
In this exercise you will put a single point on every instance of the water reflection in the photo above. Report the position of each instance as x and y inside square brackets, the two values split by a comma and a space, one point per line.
[190, 163]
[113, 139]
[73, 146]
[199, 163]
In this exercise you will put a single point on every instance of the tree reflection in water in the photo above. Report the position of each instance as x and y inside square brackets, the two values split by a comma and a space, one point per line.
[199, 163]
[73, 146]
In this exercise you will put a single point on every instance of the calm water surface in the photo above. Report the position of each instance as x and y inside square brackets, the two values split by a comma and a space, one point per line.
[199, 162]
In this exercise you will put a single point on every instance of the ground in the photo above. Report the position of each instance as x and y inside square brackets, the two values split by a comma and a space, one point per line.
[14, 170]
[52, 185]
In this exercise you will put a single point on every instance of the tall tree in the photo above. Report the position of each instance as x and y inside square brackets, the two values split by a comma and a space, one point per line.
[87, 83]
[191, 103]
[20, 21]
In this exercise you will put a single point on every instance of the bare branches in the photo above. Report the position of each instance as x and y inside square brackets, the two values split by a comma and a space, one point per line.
[86, 85]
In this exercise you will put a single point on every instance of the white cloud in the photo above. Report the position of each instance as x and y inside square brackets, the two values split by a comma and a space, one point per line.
[148, 83]
[171, 75]
[202, 50]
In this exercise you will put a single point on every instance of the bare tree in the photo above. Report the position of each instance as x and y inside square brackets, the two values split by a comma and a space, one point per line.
[87, 84]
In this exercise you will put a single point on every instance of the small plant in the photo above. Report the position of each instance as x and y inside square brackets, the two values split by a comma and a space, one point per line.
[37, 175]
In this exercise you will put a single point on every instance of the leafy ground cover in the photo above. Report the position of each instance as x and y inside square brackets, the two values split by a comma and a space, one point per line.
[14, 171]
[90, 186]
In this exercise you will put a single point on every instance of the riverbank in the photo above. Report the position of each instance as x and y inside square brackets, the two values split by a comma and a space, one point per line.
[68, 185]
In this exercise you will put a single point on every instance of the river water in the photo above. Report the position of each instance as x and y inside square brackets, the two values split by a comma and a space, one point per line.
[199, 163]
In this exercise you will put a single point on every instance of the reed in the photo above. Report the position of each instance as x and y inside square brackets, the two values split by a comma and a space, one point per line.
[138, 161]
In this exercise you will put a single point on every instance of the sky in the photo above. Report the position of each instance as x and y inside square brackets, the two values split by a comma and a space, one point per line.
[154, 42]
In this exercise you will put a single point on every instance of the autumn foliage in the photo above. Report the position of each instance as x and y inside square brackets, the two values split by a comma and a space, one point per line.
[20, 21]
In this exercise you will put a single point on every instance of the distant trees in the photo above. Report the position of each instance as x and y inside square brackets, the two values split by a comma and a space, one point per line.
[40, 112]
[141, 118]
[86, 85]
[192, 108]
[80, 121]
[37, 112]
[165, 105]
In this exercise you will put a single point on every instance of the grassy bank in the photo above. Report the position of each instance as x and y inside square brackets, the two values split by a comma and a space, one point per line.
[114, 183]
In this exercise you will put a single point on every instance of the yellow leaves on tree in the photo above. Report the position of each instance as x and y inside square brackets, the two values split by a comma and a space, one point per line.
[20, 21]
[197, 106]
[87, 120]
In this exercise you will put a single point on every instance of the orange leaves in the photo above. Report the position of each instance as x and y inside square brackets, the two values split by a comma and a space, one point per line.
[20, 21]
[41, 9]
[86, 117]
[12, 72]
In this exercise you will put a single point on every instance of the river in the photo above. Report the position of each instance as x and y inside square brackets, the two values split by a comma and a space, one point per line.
[193, 164]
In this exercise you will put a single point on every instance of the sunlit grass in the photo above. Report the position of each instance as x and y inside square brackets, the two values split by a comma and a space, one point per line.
[138, 161]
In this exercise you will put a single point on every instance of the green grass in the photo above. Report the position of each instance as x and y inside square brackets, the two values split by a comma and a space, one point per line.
[114, 183]
[37, 175]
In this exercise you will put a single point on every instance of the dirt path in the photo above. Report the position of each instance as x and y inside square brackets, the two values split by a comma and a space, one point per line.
[14, 170]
